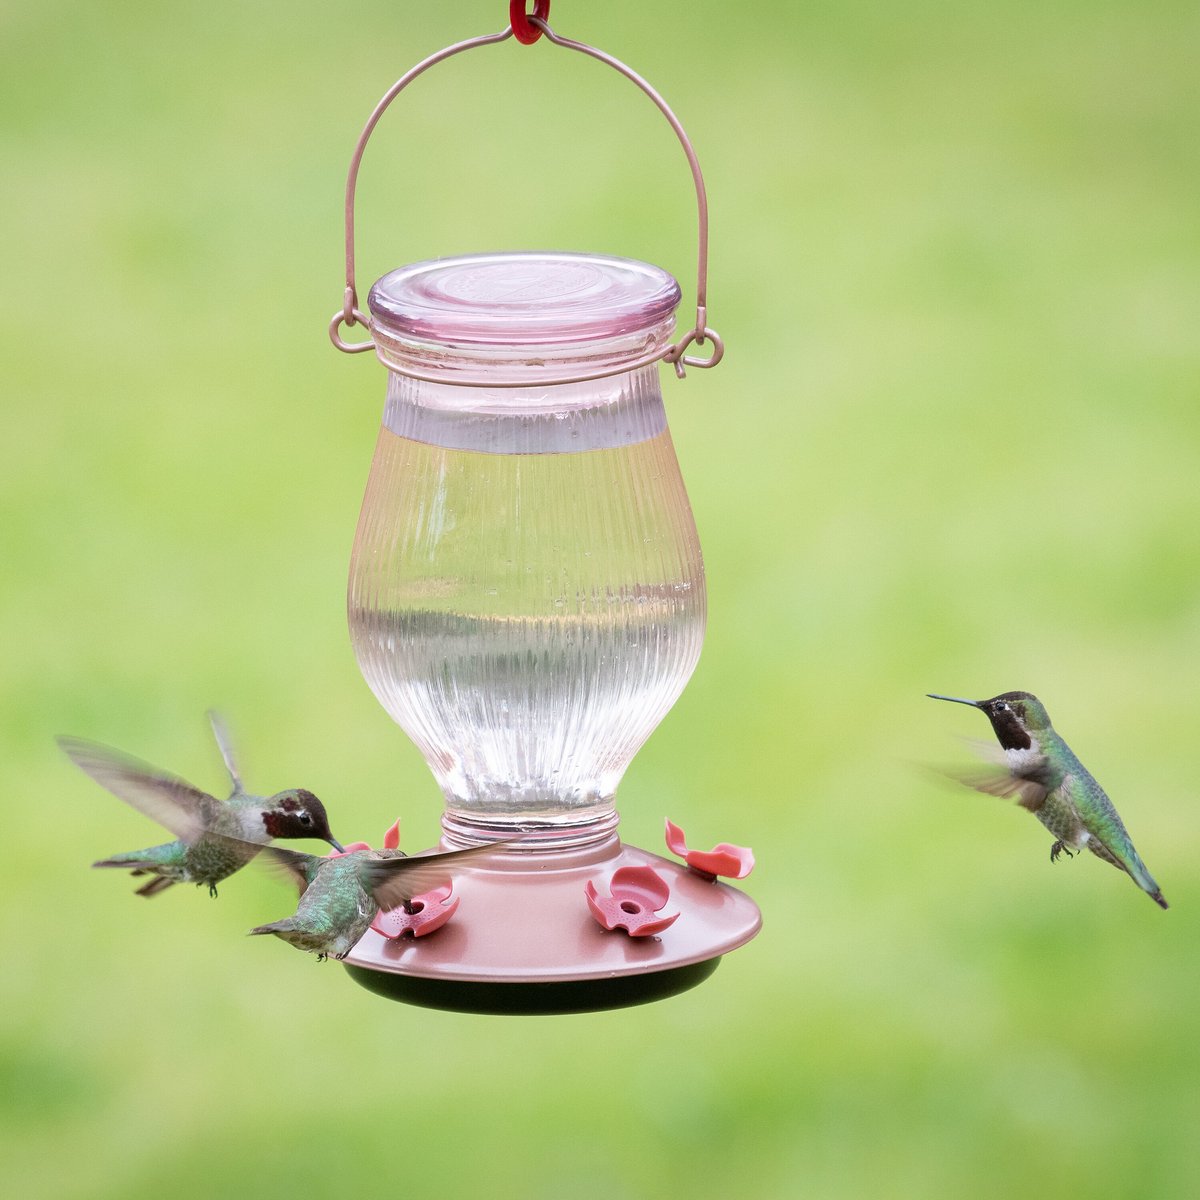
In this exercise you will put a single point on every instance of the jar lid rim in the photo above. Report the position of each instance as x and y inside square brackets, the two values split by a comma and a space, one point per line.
[520, 298]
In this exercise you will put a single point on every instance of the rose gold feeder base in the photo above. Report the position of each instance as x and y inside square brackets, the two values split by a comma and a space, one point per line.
[523, 939]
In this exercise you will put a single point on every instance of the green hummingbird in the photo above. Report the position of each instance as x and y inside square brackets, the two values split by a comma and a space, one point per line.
[214, 838]
[1043, 775]
[341, 895]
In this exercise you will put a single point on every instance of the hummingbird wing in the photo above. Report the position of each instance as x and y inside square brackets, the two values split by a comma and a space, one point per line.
[225, 745]
[173, 802]
[998, 778]
[395, 881]
[996, 781]
[294, 865]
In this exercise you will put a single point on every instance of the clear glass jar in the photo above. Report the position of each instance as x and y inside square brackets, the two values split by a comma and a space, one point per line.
[526, 592]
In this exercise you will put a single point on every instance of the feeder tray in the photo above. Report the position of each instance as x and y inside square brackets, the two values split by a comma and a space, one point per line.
[524, 941]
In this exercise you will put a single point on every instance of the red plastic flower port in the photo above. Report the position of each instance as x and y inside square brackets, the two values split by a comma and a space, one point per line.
[636, 895]
[733, 862]
[423, 914]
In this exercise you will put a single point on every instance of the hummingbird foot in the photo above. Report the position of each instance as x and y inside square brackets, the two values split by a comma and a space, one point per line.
[1060, 847]
[322, 957]
[212, 890]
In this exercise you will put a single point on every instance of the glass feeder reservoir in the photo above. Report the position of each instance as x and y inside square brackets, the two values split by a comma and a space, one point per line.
[526, 591]
[527, 601]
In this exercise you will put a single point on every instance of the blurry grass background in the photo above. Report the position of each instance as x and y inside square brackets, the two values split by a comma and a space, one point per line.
[954, 447]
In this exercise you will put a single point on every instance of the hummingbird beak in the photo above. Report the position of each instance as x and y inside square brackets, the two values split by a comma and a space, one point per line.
[336, 844]
[953, 699]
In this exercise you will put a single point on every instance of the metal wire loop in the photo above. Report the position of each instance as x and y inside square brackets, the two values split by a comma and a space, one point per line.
[680, 360]
[351, 315]
[355, 318]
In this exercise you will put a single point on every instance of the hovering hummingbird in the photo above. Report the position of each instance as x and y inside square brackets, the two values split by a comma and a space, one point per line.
[1044, 776]
[214, 838]
[341, 895]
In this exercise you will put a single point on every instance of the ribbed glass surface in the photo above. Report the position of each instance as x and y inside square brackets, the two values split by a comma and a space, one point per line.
[527, 593]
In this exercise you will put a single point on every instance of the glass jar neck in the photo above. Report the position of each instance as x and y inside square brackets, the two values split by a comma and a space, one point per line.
[600, 414]
[532, 364]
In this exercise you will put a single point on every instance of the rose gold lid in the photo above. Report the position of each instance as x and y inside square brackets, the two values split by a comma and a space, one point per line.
[528, 316]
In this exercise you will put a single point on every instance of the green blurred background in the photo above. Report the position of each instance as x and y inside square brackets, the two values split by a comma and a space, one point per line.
[953, 447]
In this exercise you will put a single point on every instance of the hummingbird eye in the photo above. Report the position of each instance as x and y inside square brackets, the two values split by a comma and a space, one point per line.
[305, 818]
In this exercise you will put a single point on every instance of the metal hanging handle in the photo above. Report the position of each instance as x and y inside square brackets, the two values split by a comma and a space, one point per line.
[700, 334]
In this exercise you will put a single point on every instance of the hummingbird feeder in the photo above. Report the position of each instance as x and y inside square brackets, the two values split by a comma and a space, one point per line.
[527, 601]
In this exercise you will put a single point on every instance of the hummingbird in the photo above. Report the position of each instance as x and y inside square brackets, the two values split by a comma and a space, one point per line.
[1044, 776]
[214, 838]
[341, 895]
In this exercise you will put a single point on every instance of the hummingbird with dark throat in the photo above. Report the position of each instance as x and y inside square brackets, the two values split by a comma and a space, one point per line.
[1038, 770]
[342, 894]
[213, 838]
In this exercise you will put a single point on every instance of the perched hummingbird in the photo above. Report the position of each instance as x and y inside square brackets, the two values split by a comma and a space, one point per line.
[1044, 776]
[214, 838]
[340, 896]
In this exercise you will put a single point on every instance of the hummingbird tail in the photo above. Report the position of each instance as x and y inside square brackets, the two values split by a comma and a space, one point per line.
[277, 927]
[137, 862]
[159, 883]
[1145, 881]
[140, 863]
[1132, 865]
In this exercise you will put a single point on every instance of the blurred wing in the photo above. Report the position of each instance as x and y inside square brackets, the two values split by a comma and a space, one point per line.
[996, 781]
[225, 745]
[293, 865]
[174, 803]
[990, 752]
[395, 881]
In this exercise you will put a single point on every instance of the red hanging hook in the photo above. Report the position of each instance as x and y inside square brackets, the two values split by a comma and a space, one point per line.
[523, 30]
